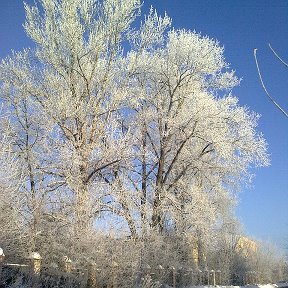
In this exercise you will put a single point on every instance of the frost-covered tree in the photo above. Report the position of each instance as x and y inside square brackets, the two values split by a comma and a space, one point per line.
[26, 135]
[11, 201]
[192, 134]
[137, 123]
[75, 78]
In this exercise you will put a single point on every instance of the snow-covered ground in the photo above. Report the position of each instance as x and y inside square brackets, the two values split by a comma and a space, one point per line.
[278, 285]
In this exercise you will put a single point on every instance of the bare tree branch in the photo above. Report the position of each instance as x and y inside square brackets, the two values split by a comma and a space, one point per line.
[277, 55]
[264, 87]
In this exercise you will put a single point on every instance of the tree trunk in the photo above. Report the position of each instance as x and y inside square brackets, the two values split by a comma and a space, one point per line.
[84, 219]
[157, 216]
[144, 184]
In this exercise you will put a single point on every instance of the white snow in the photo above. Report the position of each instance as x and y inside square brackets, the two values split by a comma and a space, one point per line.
[278, 285]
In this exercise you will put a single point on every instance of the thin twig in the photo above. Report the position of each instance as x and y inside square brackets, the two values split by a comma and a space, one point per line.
[264, 87]
[277, 56]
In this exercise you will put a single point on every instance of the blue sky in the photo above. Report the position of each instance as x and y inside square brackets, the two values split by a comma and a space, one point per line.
[241, 26]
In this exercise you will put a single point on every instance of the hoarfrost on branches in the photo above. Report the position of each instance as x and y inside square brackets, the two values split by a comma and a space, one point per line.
[134, 124]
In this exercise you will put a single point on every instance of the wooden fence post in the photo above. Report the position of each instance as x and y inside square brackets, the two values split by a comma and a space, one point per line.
[245, 279]
[173, 276]
[115, 267]
[67, 264]
[248, 278]
[257, 277]
[213, 277]
[36, 261]
[200, 277]
[160, 273]
[92, 278]
[219, 280]
[208, 276]
[2, 257]
[190, 276]
[147, 270]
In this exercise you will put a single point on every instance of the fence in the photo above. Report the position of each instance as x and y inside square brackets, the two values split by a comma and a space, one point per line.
[92, 277]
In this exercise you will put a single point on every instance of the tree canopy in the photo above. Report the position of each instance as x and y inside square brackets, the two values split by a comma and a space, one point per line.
[114, 122]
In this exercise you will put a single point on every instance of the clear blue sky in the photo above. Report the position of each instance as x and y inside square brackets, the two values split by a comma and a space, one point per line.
[241, 26]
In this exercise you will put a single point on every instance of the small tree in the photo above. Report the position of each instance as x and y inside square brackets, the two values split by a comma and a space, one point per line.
[11, 202]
